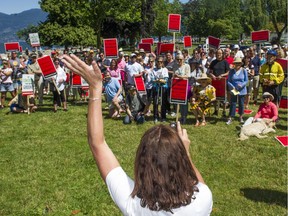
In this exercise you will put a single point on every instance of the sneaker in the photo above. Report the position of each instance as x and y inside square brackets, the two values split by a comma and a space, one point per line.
[173, 114]
[229, 122]
[241, 120]
[155, 120]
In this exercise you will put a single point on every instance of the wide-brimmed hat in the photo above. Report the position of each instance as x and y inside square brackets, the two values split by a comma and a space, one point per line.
[142, 50]
[237, 60]
[204, 77]
[267, 94]
[236, 46]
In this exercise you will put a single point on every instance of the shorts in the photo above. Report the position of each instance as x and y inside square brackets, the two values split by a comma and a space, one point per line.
[111, 105]
[17, 84]
[7, 87]
[15, 106]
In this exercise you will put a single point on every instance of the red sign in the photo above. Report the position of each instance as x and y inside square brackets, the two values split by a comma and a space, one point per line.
[147, 40]
[260, 36]
[283, 102]
[167, 47]
[187, 40]
[213, 42]
[220, 86]
[47, 66]
[76, 80]
[283, 63]
[283, 140]
[179, 91]
[174, 22]
[12, 46]
[145, 46]
[111, 48]
[140, 86]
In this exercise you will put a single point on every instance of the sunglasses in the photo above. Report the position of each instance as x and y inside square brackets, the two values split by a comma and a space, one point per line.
[159, 61]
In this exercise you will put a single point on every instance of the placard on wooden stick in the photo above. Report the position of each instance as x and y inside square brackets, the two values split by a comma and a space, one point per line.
[47, 66]
[147, 40]
[145, 46]
[179, 91]
[174, 23]
[260, 36]
[140, 85]
[187, 40]
[12, 46]
[28, 85]
[111, 48]
[34, 39]
[214, 42]
[167, 47]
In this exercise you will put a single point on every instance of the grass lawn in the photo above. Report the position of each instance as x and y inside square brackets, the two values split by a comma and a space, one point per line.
[46, 167]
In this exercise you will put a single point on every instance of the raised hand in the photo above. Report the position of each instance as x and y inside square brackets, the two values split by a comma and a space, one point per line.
[92, 75]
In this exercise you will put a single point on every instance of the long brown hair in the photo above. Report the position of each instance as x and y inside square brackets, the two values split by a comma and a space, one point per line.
[164, 176]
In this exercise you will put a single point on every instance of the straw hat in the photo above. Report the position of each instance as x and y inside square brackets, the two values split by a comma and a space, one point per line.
[237, 60]
[267, 94]
[204, 77]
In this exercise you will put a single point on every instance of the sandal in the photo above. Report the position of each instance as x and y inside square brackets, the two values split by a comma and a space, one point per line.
[197, 124]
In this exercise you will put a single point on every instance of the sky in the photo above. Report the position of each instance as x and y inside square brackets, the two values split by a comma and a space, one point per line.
[17, 6]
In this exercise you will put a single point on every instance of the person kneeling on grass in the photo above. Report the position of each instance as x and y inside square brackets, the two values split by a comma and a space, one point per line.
[134, 106]
[166, 181]
[19, 104]
[267, 110]
[113, 91]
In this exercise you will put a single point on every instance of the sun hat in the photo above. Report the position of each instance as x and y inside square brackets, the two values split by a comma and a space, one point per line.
[203, 77]
[142, 50]
[275, 46]
[133, 55]
[267, 94]
[237, 60]
[236, 46]
[272, 52]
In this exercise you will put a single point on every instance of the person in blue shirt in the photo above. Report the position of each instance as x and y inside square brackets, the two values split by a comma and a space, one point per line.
[113, 91]
[237, 81]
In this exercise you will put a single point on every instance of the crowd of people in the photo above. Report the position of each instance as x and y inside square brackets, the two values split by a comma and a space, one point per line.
[245, 71]
[166, 180]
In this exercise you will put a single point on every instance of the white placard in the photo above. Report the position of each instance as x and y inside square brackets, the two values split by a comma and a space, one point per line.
[34, 39]
[28, 84]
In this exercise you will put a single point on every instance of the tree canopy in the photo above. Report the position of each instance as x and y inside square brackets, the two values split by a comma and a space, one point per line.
[86, 22]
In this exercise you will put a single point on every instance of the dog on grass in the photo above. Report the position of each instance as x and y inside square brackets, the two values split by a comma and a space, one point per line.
[258, 129]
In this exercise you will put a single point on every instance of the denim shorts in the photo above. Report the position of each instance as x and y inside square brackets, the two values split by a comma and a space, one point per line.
[6, 87]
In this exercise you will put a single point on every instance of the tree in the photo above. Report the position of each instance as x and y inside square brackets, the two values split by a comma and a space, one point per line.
[277, 11]
[24, 33]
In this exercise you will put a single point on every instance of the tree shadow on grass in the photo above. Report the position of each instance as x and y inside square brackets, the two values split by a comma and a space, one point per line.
[265, 195]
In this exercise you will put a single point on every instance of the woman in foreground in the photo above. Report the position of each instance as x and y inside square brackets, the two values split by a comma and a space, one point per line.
[165, 182]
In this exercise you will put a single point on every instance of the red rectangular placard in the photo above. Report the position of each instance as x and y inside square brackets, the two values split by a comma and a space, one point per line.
[168, 47]
[187, 40]
[284, 63]
[220, 86]
[174, 23]
[76, 80]
[145, 46]
[111, 48]
[260, 36]
[179, 91]
[47, 66]
[283, 140]
[147, 40]
[12, 46]
[140, 86]
[213, 42]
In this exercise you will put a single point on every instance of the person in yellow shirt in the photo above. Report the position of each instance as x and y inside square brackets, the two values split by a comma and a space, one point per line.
[271, 75]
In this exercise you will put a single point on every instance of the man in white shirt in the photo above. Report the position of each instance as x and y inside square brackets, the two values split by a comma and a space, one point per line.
[133, 69]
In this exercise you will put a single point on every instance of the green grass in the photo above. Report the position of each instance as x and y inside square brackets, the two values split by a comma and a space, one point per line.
[47, 169]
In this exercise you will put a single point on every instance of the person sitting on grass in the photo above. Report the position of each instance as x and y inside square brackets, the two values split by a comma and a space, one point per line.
[134, 106]
[203, 97]
[19, 104]
[166, 181]
[267, 110]
[113, 91]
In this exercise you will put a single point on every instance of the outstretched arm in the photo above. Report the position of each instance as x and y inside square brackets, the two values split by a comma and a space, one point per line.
[104, 157]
